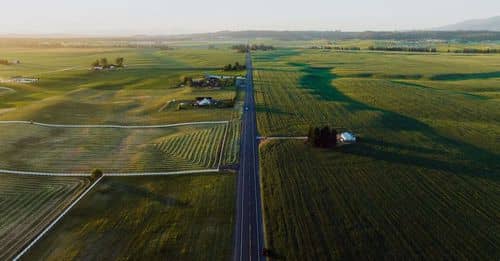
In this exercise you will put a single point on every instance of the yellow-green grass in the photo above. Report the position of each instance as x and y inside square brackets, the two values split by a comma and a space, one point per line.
[27, 147]
[428, 152]
[28, 204]
[364, 202]
[68, 92]
[173, 218]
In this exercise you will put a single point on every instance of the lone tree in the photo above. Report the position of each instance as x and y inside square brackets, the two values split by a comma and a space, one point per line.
[95, 63]
[324, 137]
[96, 173]
[104, 62]
[119, 61]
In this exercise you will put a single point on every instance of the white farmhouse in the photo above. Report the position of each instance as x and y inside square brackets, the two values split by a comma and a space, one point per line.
[347, 137]
[204, 102]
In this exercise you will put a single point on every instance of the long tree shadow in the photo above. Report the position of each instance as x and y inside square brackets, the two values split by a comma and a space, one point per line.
[465, 76]
[319, 82]
[147, 194]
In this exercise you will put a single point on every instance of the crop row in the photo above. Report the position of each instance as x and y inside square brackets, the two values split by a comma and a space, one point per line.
[197, 149]
[28, 204]
[34, 148]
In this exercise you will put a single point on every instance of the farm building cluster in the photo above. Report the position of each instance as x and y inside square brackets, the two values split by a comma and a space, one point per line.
[21, 79]
[211, 81]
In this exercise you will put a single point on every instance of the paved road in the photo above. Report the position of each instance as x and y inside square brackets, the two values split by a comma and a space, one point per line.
[249, 237]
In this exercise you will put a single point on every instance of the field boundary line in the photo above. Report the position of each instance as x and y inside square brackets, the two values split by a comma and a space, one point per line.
[116, 174]
[116, 126]
[26, 249]
[161, 173]
[282, 138]
[34, 173]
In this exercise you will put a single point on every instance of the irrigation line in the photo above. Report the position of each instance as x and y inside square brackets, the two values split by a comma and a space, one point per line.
[115, 126]
[26, 249]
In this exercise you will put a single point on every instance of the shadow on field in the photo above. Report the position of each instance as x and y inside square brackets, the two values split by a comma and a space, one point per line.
[389, 152]
[319, 82]
[275, 55]
[272, 110]
[385, 76]
[465, 76]
[127, 189]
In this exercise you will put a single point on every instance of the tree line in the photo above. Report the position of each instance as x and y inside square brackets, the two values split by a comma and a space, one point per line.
[324, 137]
[476, 50]
[339, 48]
[4, 62]
[103, 62]
[236, 67]
[242, 48]
[403, 49]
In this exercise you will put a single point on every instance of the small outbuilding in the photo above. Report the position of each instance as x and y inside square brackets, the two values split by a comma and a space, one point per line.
[203, 101]
[347, 137]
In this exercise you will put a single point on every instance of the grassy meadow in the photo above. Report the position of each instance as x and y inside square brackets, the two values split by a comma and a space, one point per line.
[79, 150]
[125, 218]
[69, 93]
[143, 93]
[422, 183]
[175, 217]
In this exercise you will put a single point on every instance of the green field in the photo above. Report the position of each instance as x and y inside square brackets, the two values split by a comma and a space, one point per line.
[29, 203]
[179, 217]
[145, 92]
[79, 150]
[69, 93]
[174, 218]
[422, 183]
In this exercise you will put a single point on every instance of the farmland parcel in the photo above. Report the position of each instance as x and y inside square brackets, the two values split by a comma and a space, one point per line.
[423, 182]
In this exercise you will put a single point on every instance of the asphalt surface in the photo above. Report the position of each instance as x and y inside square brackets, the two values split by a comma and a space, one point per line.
[249, 236]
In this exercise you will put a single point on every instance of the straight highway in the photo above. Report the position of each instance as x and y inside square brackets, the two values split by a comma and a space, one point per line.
[249, 236]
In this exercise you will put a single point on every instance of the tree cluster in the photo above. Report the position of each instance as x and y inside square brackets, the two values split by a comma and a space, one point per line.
[475, 50]
[207, 82]
[402, 49]
[261, 47]
[339, 48]
[4, 62]
[324, 137]
[96, 173]
[241, 48]
[103, 62]
[236, 67]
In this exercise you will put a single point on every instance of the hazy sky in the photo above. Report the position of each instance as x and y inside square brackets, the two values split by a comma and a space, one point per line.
[124, 17]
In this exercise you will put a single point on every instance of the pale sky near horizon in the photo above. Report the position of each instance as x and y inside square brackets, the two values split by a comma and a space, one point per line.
[126, 17]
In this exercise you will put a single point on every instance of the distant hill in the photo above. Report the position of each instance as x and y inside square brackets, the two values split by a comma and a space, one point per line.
[338, 35]
[488, 24]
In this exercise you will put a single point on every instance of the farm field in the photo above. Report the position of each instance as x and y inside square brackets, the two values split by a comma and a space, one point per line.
[79, 150]
[180, 217]
[69, 93]
[145, 92]
[424, 180]
[29, 203]
[176, 217]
